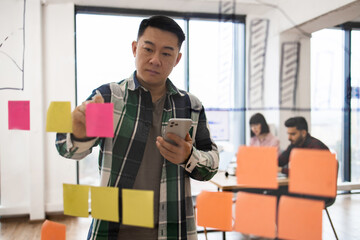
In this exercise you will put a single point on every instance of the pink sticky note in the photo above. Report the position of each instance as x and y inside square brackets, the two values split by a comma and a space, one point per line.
[19, 115]
[99, 120]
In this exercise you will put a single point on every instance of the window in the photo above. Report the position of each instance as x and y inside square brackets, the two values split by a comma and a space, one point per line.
[335, 94]
[355, 105]
[327, 74]
[103, 55]
[207, 68]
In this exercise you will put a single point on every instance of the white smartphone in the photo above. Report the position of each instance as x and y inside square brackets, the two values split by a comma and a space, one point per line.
[178, 126]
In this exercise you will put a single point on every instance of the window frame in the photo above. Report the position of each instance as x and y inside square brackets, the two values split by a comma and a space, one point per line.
[347, 28]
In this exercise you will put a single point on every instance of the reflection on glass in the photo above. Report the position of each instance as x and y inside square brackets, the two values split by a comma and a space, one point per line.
[355, 106]
[327, 74]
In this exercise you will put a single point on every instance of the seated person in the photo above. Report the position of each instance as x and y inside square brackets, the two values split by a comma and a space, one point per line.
[260, 133]
[299, 137]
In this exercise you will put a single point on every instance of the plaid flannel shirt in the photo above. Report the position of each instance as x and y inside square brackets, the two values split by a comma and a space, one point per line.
[120, 157]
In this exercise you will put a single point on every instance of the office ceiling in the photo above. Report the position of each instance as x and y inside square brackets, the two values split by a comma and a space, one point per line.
[212, 6]
[243, 7]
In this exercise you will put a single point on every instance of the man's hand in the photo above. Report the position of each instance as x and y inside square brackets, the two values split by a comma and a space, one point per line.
[78, 117]
[176, 154]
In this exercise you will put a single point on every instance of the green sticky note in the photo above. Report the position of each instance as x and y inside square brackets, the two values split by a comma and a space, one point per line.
[138, 208]
[58, 117]
[76, 199]
[105, 203]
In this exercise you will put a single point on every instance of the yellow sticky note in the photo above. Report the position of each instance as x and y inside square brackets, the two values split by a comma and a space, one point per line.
[58, 117]
[105, 203]
[138, 208]
[76, 200]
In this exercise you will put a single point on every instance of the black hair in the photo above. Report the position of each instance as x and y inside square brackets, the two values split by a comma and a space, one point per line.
[298, 122]
[164, 23]
[258, 118]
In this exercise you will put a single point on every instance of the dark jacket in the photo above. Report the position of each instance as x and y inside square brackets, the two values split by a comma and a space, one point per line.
[310, 142]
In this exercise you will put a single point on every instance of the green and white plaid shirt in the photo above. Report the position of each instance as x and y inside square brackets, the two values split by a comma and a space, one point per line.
[120, 157]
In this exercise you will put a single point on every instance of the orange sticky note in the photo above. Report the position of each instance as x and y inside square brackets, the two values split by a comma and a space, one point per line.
[255, 214]
[214, 210]
[53, 231]
[313, 172]
[300, 218]
[257, 167]
[19, 115]
[76, 200]
[105, 203]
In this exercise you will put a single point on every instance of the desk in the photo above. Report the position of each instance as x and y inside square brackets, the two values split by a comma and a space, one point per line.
[229, 183]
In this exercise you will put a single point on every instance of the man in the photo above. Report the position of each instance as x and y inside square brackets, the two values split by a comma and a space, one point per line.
[138, 157]
[299, 137]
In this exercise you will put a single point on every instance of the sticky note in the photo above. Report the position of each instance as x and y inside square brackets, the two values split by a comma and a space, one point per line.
[105, 203]
[214, 209]
[300, 218]
[257, 167]
[76, 200]
[99, 120]
[255, 214]
[53, 230]
[58, 117]
[19, 115]
[313, 172]
[138, 207]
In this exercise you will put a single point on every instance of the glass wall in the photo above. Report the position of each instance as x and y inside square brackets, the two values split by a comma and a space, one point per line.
[327, 84]
[104, 55]
[211, 77]
[355, 105]
[331, 121]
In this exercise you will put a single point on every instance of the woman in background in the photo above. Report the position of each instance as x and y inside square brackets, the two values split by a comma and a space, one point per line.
[260, 133]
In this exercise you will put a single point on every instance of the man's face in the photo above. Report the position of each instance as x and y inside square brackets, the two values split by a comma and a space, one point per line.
[295, 136]
[156, 53]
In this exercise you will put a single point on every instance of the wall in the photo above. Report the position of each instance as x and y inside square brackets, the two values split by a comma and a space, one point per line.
[59, 85]
[22, 152]
[32, 172]
[309, 16]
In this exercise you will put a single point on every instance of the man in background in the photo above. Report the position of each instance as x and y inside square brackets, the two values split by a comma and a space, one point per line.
[299, 137]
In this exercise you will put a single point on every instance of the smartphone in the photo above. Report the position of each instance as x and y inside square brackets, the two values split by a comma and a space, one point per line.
[178, 126]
